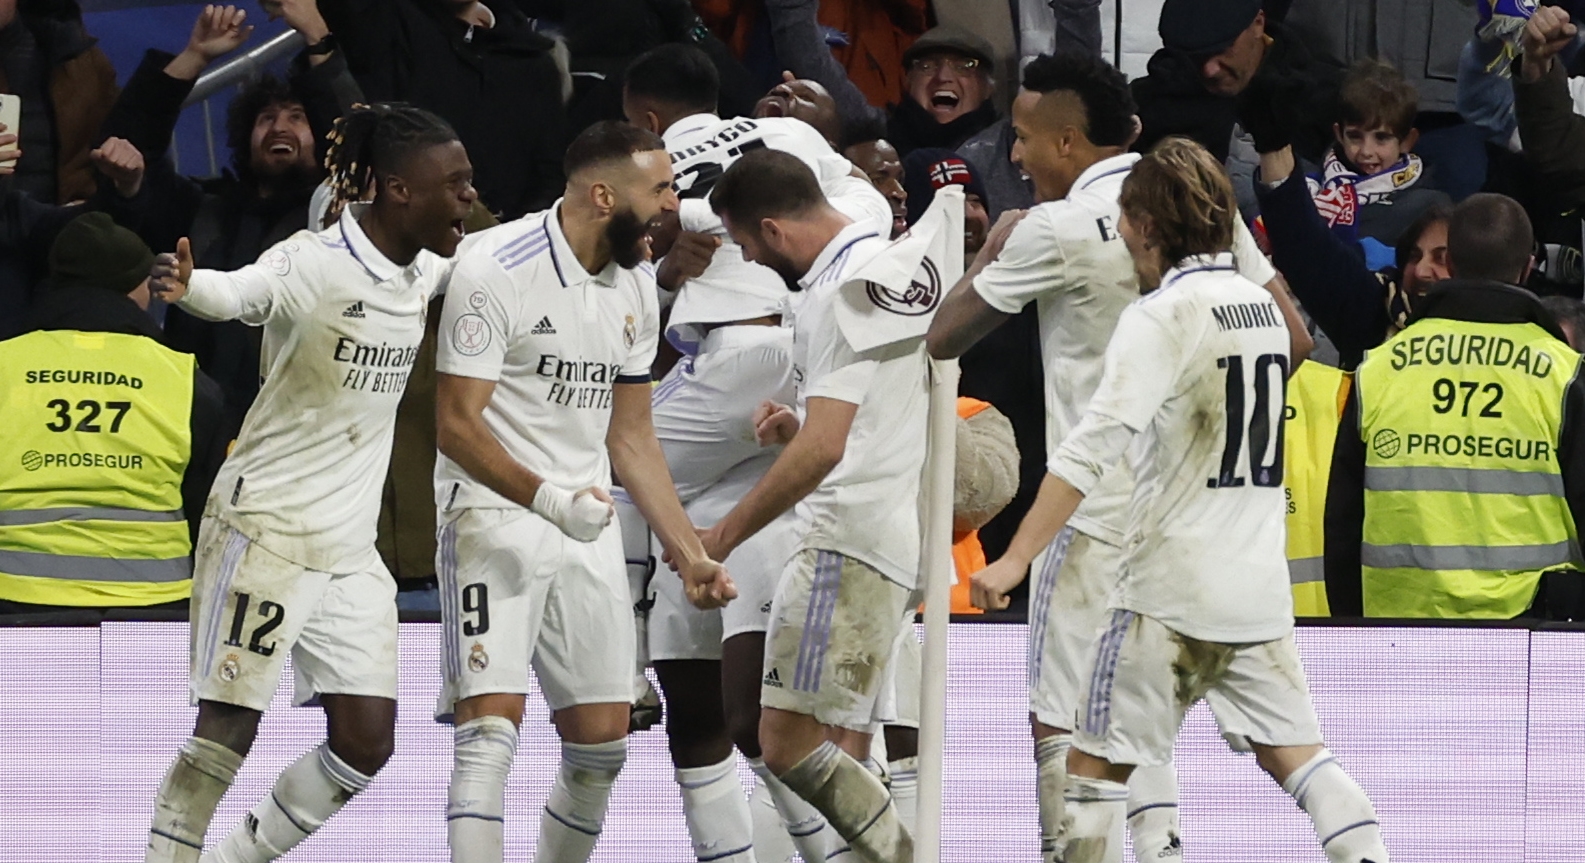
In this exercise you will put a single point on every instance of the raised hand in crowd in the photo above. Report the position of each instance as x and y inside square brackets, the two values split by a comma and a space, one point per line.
[218, 31]
[302, 16]
[119, 160]
[1547, 32]
[9, 151]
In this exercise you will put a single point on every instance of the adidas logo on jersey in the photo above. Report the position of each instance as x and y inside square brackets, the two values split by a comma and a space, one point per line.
[773, 678]
[543, 328]
[354, 311]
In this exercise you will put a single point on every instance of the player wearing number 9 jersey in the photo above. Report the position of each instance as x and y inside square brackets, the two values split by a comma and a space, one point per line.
[1196, 372]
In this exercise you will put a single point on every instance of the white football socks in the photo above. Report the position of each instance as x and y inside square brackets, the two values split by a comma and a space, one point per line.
[905, 791]
[814, 838]
[1051, 775]
[306, 794]
[575, 812]
[772, 842]
[202, 772]
[476, 800]
[854, 801]
[719, 822]
[1097, 809]
[1153, 813]
[1345, 820]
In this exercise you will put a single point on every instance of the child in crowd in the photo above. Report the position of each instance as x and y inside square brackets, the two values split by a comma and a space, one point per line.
[1371, 187]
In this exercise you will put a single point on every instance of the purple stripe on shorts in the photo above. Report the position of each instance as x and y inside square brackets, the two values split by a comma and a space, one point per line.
[448, 600]
[817, 624]
[1099, 715]
[827, 614]
[230, 560]
[1040, 607]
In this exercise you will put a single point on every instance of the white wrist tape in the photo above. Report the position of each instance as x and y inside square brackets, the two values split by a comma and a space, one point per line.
[580, 516]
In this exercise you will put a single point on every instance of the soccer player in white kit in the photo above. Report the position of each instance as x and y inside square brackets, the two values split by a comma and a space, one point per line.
[286, 562]
[1193, 391]
[852, 469]
[548, 334]
[1074, 119]
[728, 321]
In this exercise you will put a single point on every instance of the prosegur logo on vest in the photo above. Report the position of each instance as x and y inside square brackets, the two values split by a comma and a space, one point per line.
[33, 460]
[1387, 443]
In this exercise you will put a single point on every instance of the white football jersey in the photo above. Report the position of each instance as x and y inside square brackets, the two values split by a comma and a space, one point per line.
[702, 147]
[867, 507]
[1068, 257]
[521, 311]
[1198, 369]
[342, 325]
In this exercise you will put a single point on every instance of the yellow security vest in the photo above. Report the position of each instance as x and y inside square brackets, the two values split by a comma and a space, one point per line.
[1464, 505]
[97, 440]
[1316, 395]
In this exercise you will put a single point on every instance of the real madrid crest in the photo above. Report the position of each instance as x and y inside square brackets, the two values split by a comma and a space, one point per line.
[478, 660]
[920, 298]
[629, 331]
[230, 668]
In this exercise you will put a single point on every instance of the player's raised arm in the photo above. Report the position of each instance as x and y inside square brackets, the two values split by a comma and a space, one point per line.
[250, 294]
[965, 315]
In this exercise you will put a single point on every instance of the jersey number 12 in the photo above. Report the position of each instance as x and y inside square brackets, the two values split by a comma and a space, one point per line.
[1264, 421]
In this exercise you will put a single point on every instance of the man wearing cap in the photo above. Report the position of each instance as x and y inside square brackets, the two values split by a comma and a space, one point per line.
[947, 91]
[112, 438]
[1212, 52]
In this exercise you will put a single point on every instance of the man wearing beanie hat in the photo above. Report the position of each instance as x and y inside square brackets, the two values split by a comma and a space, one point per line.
[114, 437]
[1212, 51]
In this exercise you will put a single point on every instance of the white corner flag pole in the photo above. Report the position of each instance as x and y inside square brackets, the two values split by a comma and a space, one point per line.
[937, 572]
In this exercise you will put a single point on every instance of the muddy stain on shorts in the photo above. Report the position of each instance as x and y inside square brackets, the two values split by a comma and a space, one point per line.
[1198, 666]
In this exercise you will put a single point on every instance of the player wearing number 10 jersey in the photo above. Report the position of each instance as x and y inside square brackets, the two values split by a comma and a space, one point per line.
[1196, 369]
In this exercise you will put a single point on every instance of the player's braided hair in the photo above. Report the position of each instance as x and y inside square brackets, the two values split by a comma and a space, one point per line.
[1184, 197]
[371, 141]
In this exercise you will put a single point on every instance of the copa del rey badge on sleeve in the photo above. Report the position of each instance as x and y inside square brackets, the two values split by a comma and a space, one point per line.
[893, 297]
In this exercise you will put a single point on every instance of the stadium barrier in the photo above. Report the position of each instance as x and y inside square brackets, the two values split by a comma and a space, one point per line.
[1469, 739]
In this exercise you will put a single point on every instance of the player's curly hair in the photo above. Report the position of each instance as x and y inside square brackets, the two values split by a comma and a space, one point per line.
[371, 141]
[1179, 195]
[1109, 106]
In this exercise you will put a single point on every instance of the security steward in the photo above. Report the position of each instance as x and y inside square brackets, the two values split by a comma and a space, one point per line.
[111, 439]
[1317, 395]
[1459, 469]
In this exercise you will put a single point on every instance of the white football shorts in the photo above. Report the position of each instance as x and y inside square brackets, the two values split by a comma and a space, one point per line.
[833, 630]
[516, 592]
[251, 608]
[1073, 581]
[680, 630]
[1145, 677]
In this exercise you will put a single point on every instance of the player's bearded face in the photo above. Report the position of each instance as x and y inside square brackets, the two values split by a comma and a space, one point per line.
[626, 233]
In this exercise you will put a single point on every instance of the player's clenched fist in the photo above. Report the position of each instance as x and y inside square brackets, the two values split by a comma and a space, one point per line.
[707, 584]
[582, 515]
[774, 424]
[988, 588]
[687, 259]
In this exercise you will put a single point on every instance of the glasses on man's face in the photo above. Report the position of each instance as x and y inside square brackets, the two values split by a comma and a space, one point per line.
[932, 65]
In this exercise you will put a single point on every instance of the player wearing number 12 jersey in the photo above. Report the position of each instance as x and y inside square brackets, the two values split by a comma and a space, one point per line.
[1196, 371]
[286, 563]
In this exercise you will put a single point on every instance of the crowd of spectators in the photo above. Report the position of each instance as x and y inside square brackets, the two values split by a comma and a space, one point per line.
[1323, 153]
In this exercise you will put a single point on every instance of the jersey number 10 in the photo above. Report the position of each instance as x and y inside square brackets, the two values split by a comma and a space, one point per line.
[1266, 417]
